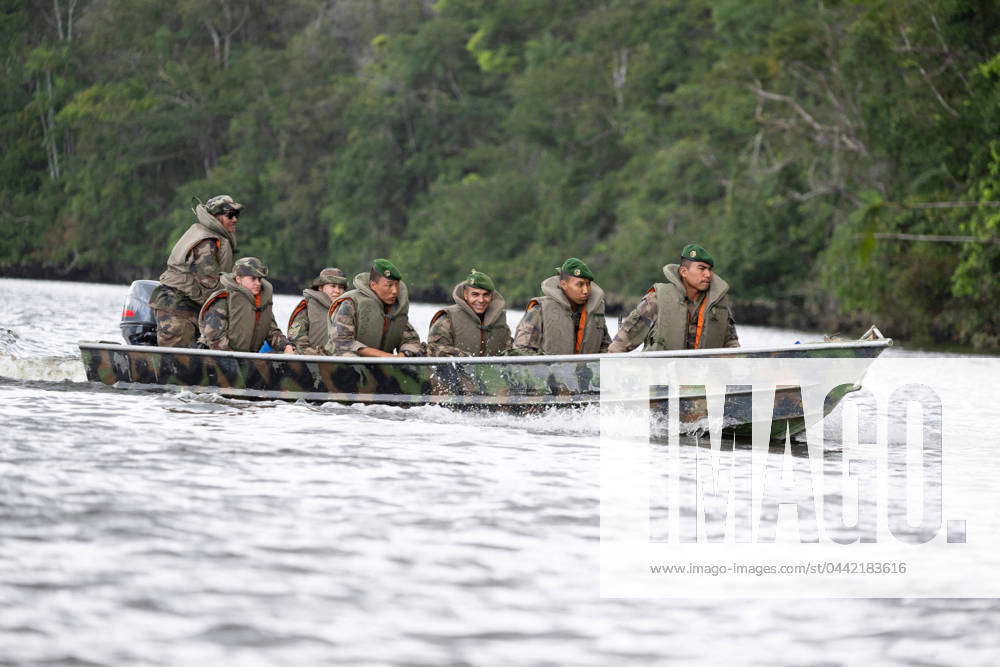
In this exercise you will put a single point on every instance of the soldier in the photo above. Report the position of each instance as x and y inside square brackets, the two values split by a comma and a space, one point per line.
[568, 319]
[205, 251]
[690, 311]
[307, 327]
[238, 315]
[475, 326]
[371, 320]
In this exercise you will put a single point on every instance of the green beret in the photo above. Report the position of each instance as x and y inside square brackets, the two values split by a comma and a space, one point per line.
[329, 276]
[576, 268]
[384, 267]
[479, 280]
[695, 253]
[250, 266]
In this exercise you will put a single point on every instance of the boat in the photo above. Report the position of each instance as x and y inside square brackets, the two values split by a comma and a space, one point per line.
[517, 383]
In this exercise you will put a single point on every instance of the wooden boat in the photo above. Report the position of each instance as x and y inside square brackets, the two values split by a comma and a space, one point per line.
[514, 383]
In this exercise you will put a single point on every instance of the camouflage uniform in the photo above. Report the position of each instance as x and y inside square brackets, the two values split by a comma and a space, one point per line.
[343, 340]
[528, 336]
[440, 339]
[192, 274]
[307, 327]
[253, 319]
[636, 327]
[176, 313]
[215, 329]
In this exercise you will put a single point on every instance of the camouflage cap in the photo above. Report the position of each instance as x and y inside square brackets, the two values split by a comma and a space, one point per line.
[221, 204]
[695, 253]
[331, 275]
[384, 267]
[576, 268]
[250, 266]
[479, 280]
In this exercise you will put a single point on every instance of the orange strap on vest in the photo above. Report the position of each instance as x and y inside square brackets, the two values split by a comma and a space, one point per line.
[256, 307]
[333, 306]
[220, 295]
[579, 332]
[298, 309]
[701, 322]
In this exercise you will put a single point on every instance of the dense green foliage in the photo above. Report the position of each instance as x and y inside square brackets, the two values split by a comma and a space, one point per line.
[818, 148]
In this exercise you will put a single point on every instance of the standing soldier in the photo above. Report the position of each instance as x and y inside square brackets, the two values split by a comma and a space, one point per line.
[690, 311]
[205, 251]
[238, 315]
[475, 326]
[372, 319]
[568, 319]
[307, 327]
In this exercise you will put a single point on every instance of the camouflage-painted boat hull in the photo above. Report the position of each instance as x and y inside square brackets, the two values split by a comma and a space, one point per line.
[516, 383]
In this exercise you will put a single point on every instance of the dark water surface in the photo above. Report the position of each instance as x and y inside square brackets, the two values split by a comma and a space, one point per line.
[161, 529]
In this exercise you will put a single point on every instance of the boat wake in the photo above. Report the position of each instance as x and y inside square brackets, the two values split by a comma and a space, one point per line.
[22, 359]
[558, 421]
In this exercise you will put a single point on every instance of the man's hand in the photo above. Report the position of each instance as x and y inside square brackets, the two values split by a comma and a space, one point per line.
[289, 349]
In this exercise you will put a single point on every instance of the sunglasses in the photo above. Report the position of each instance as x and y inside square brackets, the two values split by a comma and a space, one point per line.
[232, 214]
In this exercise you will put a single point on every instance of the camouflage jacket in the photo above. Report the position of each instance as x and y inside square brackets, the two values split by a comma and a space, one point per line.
[307, 326]
[199, 257]
[530, 335]
[255, 324]
[639, 327]
[457, 331]
[343, 324]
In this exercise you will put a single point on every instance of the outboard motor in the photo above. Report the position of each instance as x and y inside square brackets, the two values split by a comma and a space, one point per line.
[138, 322]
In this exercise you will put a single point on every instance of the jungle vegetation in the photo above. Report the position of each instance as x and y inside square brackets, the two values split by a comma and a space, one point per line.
[839, 157]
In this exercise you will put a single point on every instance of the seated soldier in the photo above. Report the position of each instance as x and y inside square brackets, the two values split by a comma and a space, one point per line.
[238, 315]
[690, 311]
[568, 319]
[475, 326]
[372, 319]
[307, 327]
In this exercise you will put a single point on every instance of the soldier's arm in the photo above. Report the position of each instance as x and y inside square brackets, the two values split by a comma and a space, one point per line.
[205, 264]
[410, 344]
[441, 339]
[605, 339]
[528, 335]
[732, 340]
[508, 341]
[214, 325]
[298, 331]
[277, 340]
[636, 326]
[341, 329]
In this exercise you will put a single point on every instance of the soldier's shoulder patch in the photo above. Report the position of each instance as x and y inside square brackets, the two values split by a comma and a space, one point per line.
[651, 289]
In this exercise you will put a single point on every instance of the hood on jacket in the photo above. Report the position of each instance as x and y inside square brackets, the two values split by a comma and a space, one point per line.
[228, 281]
[208, 220]
[493, 311]
[550, 287]
[402, 304]
[718, 289]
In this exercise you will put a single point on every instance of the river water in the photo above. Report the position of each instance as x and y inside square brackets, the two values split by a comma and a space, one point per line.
[177, 528]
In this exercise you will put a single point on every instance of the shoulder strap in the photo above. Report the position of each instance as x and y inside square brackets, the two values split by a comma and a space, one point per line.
[212, 299]
[437, 315]
[298, 309]
[333, 306]
[532, 304]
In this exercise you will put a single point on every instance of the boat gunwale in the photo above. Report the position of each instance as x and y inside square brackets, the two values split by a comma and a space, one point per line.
[525, 359]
